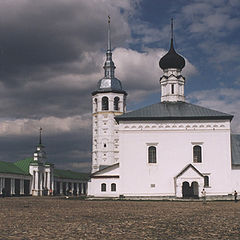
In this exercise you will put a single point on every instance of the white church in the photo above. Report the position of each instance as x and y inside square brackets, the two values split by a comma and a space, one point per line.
[171, 149]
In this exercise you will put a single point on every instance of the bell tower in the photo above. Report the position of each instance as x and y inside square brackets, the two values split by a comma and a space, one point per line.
[172, 82]
[108, 101]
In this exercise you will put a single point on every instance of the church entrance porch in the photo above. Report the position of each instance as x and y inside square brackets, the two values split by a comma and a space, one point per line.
[189, 182]
[190, 191]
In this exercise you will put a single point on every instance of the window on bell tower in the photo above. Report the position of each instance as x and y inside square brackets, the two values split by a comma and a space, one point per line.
[96, 106]
[172, 88]
[105, 103]
[116, 103]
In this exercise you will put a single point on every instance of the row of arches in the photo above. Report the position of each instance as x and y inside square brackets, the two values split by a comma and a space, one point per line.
[105, 103]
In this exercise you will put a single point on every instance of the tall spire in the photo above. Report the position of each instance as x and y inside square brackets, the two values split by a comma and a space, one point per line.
[172, 59]
[109, 64]
[109, 34]
[171, 28]
[40, 136]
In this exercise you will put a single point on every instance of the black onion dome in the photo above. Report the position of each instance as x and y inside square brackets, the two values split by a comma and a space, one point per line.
[172, 59]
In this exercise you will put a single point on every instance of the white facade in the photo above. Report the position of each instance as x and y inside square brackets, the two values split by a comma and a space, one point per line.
[174, 144]
[167, 150]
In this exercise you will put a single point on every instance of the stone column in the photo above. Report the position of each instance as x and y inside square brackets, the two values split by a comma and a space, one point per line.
[12, 186]
[61, 188]
[22, 187]
[37, 184]
[72, 187]
[52, 180]
[78, 189]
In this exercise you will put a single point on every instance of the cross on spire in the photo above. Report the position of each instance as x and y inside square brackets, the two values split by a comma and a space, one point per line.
[171, 28]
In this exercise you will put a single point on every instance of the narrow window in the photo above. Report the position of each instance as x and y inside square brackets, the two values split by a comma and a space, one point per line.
[103, 187]
[116, 103]
[197, 154]
[206, 181]
[172, 87]
[113, 187]
[152, 154]
[104, 103]
[95, 100]
[104, 145]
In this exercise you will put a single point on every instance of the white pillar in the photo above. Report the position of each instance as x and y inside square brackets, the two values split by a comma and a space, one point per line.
[12, 186]
[77, 188]
[61, 188]
[37, 183]
[52, 180]
[22, 187]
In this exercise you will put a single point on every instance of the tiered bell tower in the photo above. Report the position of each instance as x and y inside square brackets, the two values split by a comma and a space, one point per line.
[108, 101]
[42, 171]
[172, 82]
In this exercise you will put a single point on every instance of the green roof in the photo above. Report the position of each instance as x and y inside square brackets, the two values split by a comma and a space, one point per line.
[173, 111]
[68, 174]
[235, 146]
[11, 168]
[24, 164]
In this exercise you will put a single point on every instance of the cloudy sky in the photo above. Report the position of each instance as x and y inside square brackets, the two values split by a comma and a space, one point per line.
[52, 53]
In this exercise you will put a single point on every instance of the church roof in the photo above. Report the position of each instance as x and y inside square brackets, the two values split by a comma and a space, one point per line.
[235, 146]
[173, 111]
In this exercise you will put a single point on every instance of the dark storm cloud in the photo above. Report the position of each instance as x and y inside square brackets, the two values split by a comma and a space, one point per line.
[40, 40]
[60, 148]
[51, 57]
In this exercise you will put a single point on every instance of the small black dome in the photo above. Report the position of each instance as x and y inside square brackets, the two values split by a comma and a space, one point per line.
[172, 59]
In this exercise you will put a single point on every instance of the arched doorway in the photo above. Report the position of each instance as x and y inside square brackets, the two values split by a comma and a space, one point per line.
[194, 187]
[186, 190]
[190, 191]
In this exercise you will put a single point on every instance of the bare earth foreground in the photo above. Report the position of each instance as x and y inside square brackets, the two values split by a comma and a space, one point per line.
[59, 218]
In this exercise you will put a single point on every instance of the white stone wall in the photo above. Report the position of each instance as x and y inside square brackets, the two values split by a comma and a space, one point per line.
[236, 180]
[94, 187]
[174, 141]
[105, 146]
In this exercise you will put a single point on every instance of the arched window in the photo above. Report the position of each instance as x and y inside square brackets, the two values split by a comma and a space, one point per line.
[113, 187]
[172, 88]
[206, 181]
[96, 106]
[116, 103]
[103, 187]
[105, 103]
[152, 154]
[197, 154]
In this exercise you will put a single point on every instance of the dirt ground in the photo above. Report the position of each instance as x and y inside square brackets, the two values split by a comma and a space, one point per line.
[58, 218]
